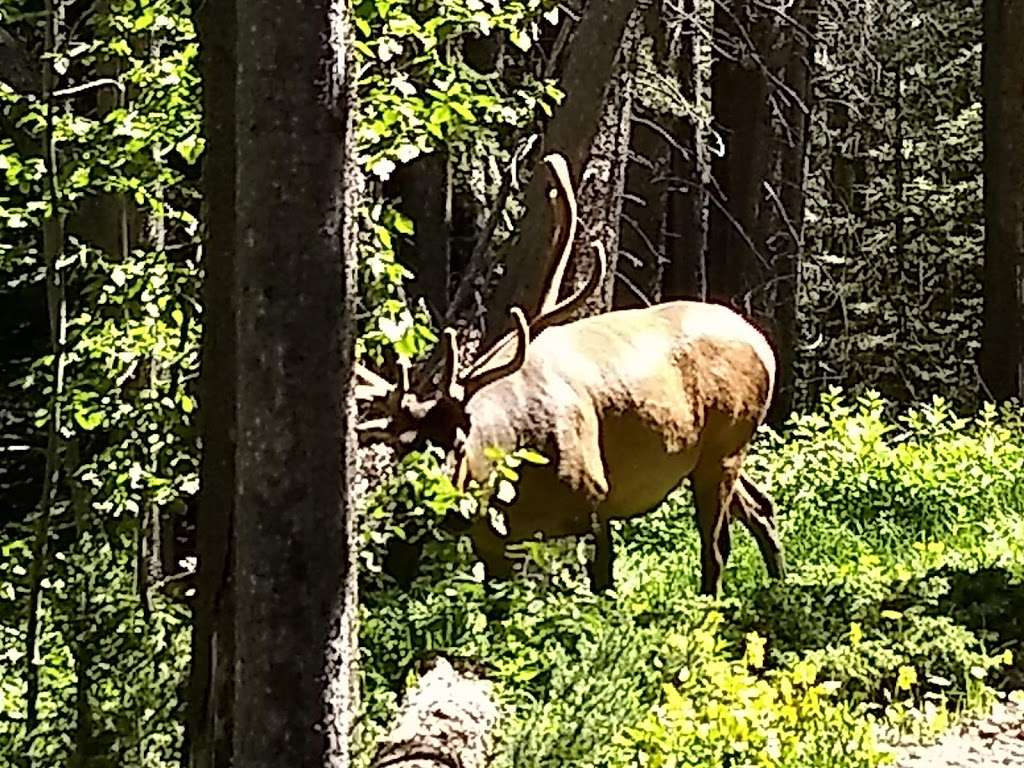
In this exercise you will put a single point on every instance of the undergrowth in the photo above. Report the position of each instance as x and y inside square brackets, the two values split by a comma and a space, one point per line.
[900, 610]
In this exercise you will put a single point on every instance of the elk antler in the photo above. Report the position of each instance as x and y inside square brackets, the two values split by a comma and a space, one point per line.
[563, 200]
[373, 386]
[564, 309]
[565, 225]
[462, 388]
[560, 312]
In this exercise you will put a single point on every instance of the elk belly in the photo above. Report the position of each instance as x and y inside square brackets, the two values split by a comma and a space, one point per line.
[641, 471]
[546, 504]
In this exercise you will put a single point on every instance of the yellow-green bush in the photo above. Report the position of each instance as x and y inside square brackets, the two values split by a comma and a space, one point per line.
[722, 711]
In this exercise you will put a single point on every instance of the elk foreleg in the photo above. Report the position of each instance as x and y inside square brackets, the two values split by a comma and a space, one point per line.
[754, 508]
[490, 550]
[600, 568]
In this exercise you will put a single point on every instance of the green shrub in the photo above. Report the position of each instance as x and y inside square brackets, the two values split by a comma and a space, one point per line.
[731, 712]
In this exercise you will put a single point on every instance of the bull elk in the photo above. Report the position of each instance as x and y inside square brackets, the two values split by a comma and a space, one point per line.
[625, 405]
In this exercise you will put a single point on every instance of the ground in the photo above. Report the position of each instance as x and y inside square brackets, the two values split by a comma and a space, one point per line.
[995, 741]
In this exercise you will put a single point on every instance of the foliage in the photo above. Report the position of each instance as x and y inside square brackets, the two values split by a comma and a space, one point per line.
[889, 287]
[722, 711]
[873, 632]
[418, 94]
[113, 648]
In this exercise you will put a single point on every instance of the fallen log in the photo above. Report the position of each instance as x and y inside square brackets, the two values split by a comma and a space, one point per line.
[445, 722]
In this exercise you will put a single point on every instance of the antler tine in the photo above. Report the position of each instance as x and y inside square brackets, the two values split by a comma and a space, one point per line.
[452, 387]
[374, 384]
[474, 383]
[564, 309]
[565, 225]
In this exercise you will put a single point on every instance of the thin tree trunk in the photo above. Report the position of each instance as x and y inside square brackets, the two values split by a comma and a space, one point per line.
[211, 687]
[295, 596]
[53, 248]
[642, 251]
[423, 187]
[737, 267]
[1001, 359]
[588, 71]
[786, 191]
[686, 224]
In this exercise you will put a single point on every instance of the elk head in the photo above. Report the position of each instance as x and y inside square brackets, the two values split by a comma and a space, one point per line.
[407, 420]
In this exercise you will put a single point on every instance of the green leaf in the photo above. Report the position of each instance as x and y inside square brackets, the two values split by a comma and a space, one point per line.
[520, 39]
[89, 420]
[403, 224]
[190, 148]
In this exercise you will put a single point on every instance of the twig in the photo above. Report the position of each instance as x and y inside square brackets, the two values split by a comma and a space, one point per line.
[633, 288]
[797, 240]
[75, 89]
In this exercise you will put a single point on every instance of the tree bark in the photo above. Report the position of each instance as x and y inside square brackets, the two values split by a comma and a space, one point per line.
[686, 225]
[642, 251]
[294, 591]
[736, 263]
[786, 192]
[446, 720]
[1001, 359]
[604, 180]
[56, 304]
[277, 586]
[588, 71]
[211, 695]
[211, 688]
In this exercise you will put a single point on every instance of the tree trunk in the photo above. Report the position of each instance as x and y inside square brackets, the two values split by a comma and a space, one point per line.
[445, 721]
[1001, 359]
[422, 187]
[588, 71]
[785, 188]
[737, 267]
[56, 304]
[211, 693]
[642, 256]
[686, 223]
[604, 180]
[277, 586]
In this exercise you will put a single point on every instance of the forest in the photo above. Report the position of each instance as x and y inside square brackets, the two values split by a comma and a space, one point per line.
[379, 380]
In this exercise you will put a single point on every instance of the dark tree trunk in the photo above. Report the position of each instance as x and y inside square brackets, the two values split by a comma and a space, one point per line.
[737, 267]
[786, 183]
[604, 179]
[211, 694]
[422, 187]
[686, 219]
[1001, 359]
[588, 71]
[276, 585]
[642, 254]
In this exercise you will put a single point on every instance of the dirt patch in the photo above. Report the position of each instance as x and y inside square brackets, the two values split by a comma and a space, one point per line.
[995, 741]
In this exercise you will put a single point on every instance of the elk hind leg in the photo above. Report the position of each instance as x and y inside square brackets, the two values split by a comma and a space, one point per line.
[713, 486]
[754, 508]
